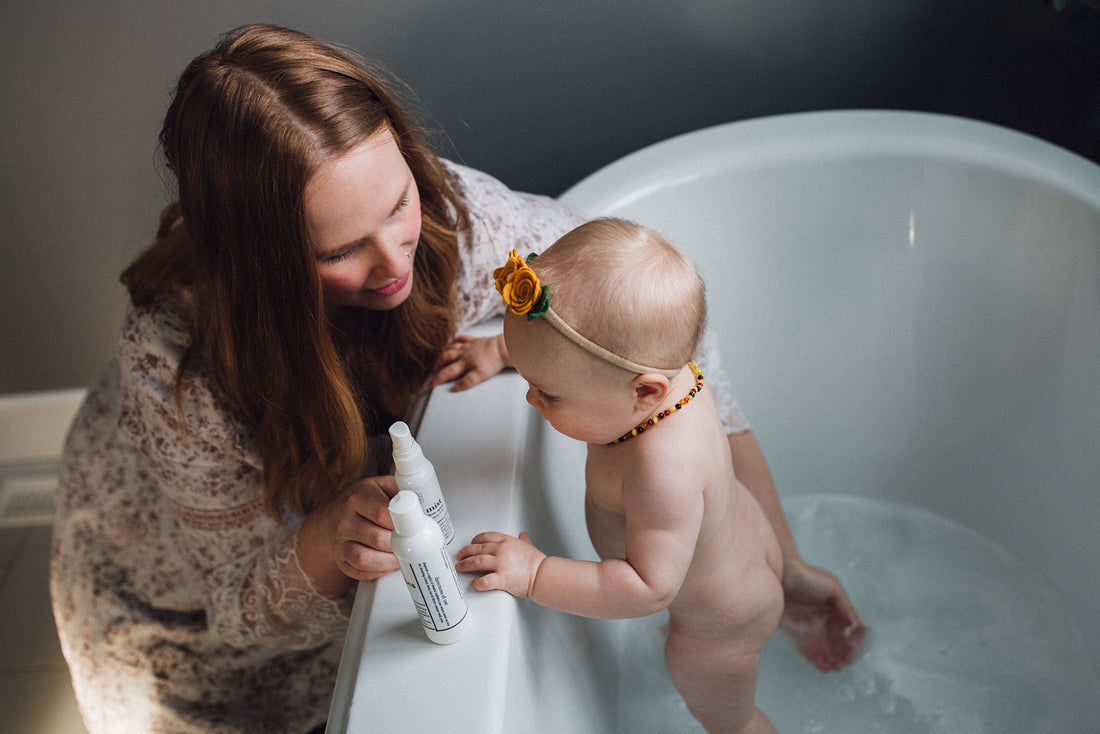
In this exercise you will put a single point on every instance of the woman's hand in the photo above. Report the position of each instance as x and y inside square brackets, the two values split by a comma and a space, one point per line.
[820, 617]
[509, 563]
[348, 537]
[470, 360]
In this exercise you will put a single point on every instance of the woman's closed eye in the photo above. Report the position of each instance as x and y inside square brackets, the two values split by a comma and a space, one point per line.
[401, 205]
[340, 256]
[350, 250]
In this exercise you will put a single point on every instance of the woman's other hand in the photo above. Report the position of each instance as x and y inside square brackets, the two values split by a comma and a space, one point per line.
[820, 617]
[469, 360]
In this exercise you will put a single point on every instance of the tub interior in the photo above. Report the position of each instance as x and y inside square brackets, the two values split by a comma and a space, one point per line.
[909, 311]
[965, 636]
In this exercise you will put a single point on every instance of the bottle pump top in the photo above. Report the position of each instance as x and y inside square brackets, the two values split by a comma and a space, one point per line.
[407, 454]
[413, 471]
[407, 514]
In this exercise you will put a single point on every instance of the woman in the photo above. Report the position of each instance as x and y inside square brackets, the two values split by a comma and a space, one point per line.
[222, 486]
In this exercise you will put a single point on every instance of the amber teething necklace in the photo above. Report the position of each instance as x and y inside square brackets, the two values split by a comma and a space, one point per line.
[643, 427]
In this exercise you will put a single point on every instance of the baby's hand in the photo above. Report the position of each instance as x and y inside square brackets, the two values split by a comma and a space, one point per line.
[511, 563]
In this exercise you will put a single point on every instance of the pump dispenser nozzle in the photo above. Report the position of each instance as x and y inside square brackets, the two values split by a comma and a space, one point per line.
[406, 451]
[413, 471]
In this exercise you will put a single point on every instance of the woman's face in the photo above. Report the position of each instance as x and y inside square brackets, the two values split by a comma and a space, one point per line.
[363, 215]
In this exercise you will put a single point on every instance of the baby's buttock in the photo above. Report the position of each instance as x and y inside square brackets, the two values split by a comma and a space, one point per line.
[733, 587]
[746, 609]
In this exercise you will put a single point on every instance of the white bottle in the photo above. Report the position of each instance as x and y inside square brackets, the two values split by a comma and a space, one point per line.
[428, 570]
[414, 472]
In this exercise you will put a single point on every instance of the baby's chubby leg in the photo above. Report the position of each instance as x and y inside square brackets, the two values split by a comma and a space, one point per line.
[717, 679]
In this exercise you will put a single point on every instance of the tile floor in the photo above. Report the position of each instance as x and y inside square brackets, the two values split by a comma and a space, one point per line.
[36, 696]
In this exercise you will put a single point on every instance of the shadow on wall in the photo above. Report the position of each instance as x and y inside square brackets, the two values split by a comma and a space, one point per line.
[618, 80]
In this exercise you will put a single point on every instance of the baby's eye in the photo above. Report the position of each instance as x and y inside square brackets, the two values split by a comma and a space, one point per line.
[537, 397]
[543, 396]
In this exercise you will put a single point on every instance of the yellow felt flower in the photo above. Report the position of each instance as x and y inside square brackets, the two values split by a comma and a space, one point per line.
[504, 273]
[520, 288]
[523, 291]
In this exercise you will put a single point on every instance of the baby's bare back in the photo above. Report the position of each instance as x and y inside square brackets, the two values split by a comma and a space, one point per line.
[731, 588]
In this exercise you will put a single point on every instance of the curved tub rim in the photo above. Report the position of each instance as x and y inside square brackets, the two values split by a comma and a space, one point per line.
[760, 141]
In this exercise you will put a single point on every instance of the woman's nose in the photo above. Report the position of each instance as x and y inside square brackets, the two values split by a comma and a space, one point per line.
[394, 258]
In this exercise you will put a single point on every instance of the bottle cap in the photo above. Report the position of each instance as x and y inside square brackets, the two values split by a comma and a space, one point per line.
[407, 514]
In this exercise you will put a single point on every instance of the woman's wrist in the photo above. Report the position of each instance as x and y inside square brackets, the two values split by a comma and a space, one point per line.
[793, 567]
[317, 563]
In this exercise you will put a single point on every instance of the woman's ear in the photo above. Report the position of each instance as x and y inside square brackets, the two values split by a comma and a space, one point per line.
[650, 391]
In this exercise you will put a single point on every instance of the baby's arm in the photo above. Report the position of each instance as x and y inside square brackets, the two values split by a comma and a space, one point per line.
[661, 532]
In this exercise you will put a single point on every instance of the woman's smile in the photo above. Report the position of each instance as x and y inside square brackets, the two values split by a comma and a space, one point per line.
[393, 288]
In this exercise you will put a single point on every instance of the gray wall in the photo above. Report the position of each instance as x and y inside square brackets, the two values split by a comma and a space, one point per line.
[537, 93]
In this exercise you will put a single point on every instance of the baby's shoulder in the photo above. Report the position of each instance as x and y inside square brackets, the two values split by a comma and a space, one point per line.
[665, 458]
[687, 437]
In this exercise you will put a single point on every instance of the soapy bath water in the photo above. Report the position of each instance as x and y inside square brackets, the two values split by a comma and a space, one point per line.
[962, 638]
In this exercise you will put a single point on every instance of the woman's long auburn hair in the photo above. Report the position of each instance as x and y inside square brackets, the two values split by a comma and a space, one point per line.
[250, 123]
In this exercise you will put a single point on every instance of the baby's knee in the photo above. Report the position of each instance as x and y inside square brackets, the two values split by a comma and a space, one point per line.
[758, 724]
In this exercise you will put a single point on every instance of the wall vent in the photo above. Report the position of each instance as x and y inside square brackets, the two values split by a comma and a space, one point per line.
[26, 494]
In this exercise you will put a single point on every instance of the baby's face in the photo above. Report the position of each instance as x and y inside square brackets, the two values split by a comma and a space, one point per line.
[573, 391]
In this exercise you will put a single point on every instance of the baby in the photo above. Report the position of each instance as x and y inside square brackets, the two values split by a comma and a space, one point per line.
[673, 525]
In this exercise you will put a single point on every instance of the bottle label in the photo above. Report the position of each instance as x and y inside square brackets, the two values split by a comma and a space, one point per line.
[438, 512]
[435, 592]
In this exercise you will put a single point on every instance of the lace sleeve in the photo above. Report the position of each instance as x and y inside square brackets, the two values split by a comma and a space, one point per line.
[500, 220]
[209, 478]
[710, 361]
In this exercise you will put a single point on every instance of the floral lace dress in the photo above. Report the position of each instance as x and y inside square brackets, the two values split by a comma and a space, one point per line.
[181, 605]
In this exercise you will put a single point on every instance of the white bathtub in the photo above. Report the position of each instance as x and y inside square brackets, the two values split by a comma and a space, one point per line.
[909, 310]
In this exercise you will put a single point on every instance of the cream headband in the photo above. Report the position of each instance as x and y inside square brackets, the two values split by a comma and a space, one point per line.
[518, 283]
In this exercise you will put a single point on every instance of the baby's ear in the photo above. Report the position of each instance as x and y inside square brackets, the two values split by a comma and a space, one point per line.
[650, 391]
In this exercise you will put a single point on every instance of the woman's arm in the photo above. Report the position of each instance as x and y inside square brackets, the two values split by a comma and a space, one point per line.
[200, 460]
[500, 220]
[752, 469]
[818, 614]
